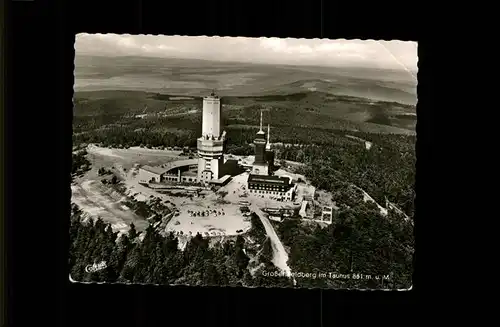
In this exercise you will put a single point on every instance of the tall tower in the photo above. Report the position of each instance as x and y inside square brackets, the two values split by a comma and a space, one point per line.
[211, 143]
[260, 163]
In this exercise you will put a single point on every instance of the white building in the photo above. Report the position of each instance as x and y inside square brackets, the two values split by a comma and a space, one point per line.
[211, 143]
[148, 174]
[271, 187]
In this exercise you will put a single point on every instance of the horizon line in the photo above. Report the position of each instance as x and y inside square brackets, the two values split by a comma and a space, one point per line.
[240, 62]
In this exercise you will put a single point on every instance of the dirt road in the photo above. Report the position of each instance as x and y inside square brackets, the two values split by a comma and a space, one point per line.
[367, 197]
[280, 257]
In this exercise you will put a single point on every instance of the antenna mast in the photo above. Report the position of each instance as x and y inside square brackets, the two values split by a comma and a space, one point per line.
[261, 121]
[268, 145]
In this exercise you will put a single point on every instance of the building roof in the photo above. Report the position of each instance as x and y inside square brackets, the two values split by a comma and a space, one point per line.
[221, 180]
[268, 179]
[224, 178]
[169, 166]
[154, 170]
[180, 163]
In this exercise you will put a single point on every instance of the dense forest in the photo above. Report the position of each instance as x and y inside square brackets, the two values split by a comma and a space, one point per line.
[133, 118]
[156, 259]
[183, 131]
[386, 171]
[359, 241]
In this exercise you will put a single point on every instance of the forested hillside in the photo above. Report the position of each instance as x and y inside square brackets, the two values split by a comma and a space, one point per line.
[151, 118]
[386, 171]
[359, 241]
[158, 260]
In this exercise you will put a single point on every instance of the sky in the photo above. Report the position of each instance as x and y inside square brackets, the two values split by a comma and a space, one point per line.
[399, 55]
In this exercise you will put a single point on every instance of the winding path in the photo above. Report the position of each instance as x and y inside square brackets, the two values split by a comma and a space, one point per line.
[280, 257]
[367, 197]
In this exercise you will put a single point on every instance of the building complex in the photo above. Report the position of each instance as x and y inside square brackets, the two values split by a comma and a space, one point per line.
[210, 166]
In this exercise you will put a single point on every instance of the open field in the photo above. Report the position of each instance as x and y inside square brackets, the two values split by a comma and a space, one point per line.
[128, 158]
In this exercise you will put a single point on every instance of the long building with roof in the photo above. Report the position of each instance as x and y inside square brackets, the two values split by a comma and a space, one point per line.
[175, 171]
[271, 187]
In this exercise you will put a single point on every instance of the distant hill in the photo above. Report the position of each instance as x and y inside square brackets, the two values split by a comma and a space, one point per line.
[195, 77]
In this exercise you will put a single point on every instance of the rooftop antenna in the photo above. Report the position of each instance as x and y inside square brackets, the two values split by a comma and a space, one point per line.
[268, 145]
[261, 122]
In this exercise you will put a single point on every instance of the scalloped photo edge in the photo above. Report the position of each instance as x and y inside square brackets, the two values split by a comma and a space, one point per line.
[243, 162]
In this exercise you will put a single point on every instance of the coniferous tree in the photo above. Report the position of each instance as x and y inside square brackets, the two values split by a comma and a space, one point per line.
[89, 235]
[132, 233]
[266, 253]
[160, 271]
[113, 265]
[171, 244]
[210, 275]
[130, 270]
[119, 255]
[240, 257]
[148, 244]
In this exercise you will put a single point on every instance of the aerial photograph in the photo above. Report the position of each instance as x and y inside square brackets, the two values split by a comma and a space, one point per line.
[244, 162]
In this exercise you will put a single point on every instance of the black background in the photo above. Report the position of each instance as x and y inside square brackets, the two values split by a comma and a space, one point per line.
[39, 85]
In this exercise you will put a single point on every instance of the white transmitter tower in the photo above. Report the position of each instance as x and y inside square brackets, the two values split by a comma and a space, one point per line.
[211, 143]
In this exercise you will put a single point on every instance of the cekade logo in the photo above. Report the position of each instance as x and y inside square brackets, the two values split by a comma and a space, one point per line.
[96, 267]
